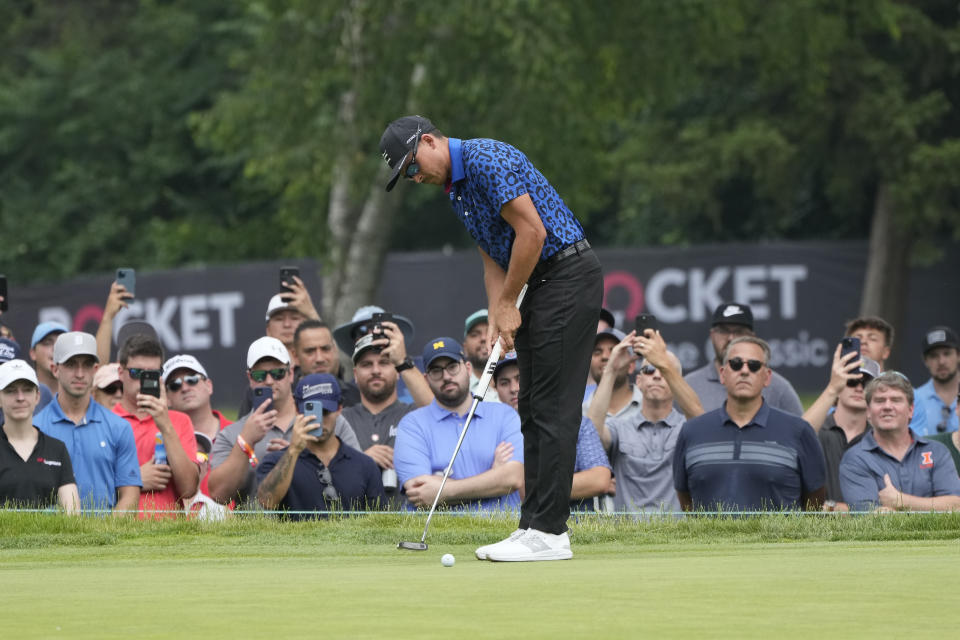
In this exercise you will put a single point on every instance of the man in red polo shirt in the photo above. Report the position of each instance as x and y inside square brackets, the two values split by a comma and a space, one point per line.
[164, 485]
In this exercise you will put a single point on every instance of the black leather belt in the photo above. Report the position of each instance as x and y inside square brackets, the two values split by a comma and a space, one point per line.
[571, 249]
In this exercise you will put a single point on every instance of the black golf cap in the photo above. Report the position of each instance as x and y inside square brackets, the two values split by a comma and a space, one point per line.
[398, 140]
[733, 313]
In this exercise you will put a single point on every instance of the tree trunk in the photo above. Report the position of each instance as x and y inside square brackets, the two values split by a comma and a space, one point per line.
[884, 289]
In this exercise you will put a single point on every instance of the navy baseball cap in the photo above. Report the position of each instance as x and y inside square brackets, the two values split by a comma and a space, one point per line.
[318, 387]
[9, 350]
[939, 337]
[398, 141]
[44, 329]
[510, 358]
[441, 348]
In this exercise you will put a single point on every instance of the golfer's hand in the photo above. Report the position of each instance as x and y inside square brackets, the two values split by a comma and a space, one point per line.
[382, 455]
[504, 324]
[889, 495]
[155, 477]
[422, 490]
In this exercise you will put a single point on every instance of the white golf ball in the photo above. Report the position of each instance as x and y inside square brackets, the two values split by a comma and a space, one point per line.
[447, 560]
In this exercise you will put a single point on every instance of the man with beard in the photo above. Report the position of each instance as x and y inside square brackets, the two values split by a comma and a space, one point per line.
[936, 401]
[488, 471]
[377, 365]
[476, 347]
[892, 468]
[730, 321]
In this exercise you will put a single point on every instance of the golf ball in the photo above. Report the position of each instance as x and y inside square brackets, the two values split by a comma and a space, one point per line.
[447, 560]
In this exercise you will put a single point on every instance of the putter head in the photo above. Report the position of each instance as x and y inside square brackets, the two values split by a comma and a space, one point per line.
[412, 546]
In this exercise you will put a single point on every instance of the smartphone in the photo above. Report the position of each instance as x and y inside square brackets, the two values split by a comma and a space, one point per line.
[4, 304]
[260, 395]
[286, 278]
[150, 383]
[315, 409]
[645, 321]
[378, 319]
[849, 345]
[128, 278]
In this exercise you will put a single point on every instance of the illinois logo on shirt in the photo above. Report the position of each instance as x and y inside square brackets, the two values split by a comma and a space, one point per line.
[926, 461]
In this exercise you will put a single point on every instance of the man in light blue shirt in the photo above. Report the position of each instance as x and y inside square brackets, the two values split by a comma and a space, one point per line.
[100, 443]
[488, 471]
[935, 408]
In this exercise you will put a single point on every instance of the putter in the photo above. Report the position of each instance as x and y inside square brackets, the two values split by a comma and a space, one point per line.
[478, 394]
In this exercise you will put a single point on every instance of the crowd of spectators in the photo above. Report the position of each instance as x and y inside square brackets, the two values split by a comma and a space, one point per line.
[140, 435]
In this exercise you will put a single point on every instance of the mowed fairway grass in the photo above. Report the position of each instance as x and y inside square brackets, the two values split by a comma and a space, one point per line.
[770, 576]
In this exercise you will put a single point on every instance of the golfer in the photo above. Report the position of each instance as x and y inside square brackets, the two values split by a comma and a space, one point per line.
[526, 235]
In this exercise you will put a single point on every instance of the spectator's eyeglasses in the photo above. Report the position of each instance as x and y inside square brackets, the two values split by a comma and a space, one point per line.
[136, 373]
[177, 383]
[436, 373]
[648, 369]
[113, 388]
[737, 363]
[413, 168]
[277, 374]
[856, 382]
[329, 491]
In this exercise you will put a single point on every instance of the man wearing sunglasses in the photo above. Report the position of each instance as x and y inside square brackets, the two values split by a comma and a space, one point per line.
[488, 471]
[936, 400]
[318, 472]
[165, 484]
[240, 447]
[747, 455]
[733, 320]
[526, 235]
[641, 444]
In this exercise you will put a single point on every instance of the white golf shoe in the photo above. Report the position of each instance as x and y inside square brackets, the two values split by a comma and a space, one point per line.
[482, 552]
[532, 546]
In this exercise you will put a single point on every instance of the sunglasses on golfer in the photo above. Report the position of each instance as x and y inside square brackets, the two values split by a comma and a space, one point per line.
[737, 363]
[648, 369]
[261, 375]
[413, 168]
[177, 383]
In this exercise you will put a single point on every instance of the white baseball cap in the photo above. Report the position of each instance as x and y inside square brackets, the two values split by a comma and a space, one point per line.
[183, 361]
[15, 370]
[74, 343]
[276, 304]
[267, 347]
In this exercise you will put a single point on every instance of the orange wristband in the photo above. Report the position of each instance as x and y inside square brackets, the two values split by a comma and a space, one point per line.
[248, 450]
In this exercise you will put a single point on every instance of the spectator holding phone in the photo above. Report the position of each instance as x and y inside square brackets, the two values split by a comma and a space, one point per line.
[240, 447]
[101, 444]
[35, 469]
[166, 483]
[875, 335]
[118, 299]
[318, 472]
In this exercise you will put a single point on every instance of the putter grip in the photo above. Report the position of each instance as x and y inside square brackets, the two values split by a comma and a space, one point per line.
[493, 359]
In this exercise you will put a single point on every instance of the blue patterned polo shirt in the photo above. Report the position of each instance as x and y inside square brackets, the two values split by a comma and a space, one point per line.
[485, 175]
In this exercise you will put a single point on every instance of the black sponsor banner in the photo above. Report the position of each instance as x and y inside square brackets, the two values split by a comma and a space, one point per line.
[801, 294]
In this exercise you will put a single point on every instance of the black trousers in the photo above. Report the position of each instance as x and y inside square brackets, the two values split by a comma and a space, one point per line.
[554, 343]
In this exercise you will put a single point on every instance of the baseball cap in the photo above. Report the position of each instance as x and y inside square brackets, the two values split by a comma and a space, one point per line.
[74, 343]
[616, 334]
[136, 328]
[398, 140]
[319, 387]
[510, 358]
[869, 367]
[9, 350]
[15, 370]
[44, 329]
[939, 336]
[733, 313]
[475, 318]
[267, 347]
[106, 375]
[441, 347]
[276, 303]
[607, 316]
[344, 334]
[183, 362]
[365, 344]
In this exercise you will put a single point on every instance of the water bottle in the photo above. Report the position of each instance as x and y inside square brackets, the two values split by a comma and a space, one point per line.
[159, 451]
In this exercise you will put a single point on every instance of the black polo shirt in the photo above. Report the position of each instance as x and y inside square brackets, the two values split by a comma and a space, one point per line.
[33, 482]
[833, 439]
[356, 477]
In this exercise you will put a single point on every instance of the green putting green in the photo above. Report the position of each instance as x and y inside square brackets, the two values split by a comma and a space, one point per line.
[100, 578]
